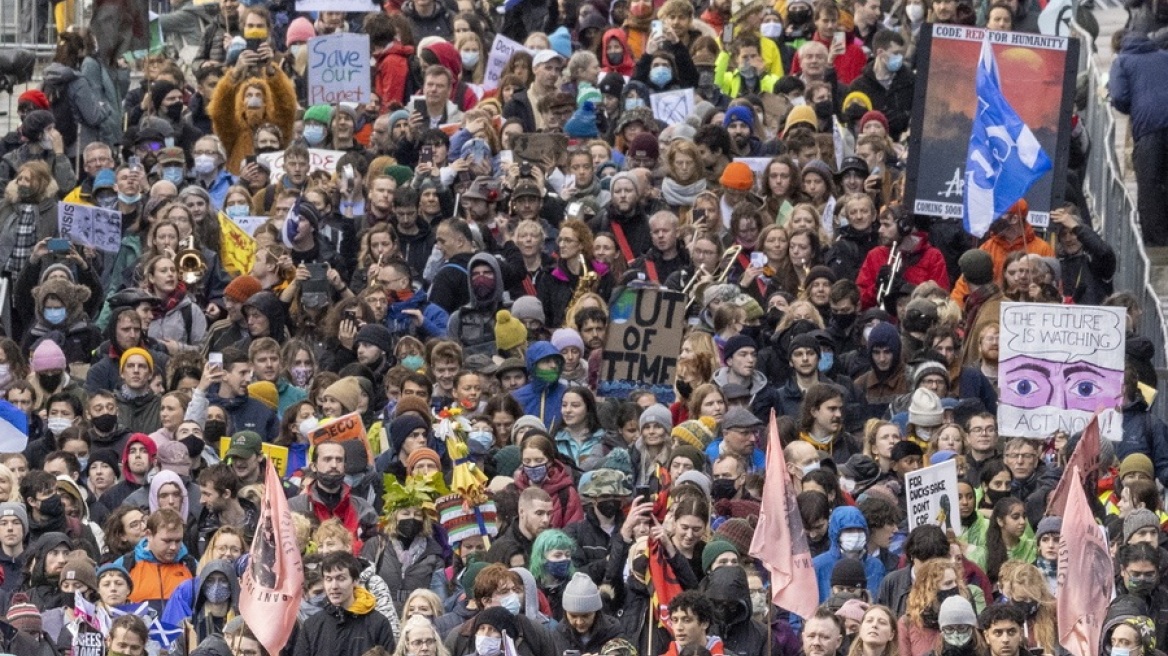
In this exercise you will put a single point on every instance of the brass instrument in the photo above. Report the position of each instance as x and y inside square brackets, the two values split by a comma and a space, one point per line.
[190, 262]
[697, 287]
[587, 283]
[799, 293]
[894, 261]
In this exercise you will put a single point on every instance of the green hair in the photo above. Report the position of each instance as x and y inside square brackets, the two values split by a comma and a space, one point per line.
[550, 540]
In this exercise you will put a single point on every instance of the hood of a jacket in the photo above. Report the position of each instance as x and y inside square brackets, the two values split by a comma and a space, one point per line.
[539, 351]
[843, 518]
[222, 567]
[1134, 43]
[1004, 244]
[497, 297]
[273, 309]
[151, 448]
[142, 553]
[884, 335]
[729, 586]
[530, 592]
[57, 77]
[447, 55]
[618, 34]
[46, 543]
[12, 195]
[167, 477]
[1125, 607]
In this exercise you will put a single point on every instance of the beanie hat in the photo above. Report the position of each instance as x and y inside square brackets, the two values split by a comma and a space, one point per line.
[737, 176]
[159, 90]
[736, 344]
[17, 510]
[656, 414]
[906, 449]
[852, 609]
[507, 460]
[420, 454]
[928, 368]
[1136, 463]
[820, 272]
[526, 421]
[265, 392]
[413, 404]
[581, 595]
[805, 341]
[1139, 519]
[116, 569]
[377, 335]
[818, 167]
[956, 611]
[400, 429]
[242, 288]
[105, 179]
[715, 548]
[467, 578]
[24, 616]
[499, 618]
[857, 97]
[588, 93]
[752, 307]
[800, 115]
[698, 433]
[644, 146]
[528, 308]
[35, 123]
[107, 456]
[347, 109]
[977, 266]
[1048, 525]
[78, 567]
[48, 356]
[612, 84]
[561, 41]
[509, 332]
[874, 115]
[724, 292]
[36, 97]
[319, 113]
[346, 391]
[136, 350]
[582, 124]
[400, 173]
[566, 337]
[738, 532]
[738, 113]
[695, 477]
[300, 31]
[620, 460]
[925, 408]
[693, 454]
[849, 572]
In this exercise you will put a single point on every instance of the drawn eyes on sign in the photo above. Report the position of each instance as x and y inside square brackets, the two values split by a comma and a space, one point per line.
[1028, 388]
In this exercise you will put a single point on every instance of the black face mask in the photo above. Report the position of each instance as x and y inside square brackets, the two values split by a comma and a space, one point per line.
[213, 429]
[752, 332]
[104, 423]
[996, 495]
[53, 506]
[1029, 609]
[824, 109]
[330, 481]
[684, 388]
[609, 508]
[843, 322]
[855, 112]
[50, 382]
[408, 529]
[722, 488]
[174, 112]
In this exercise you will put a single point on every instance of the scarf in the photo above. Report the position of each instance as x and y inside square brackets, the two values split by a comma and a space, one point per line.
[678, 195]
[1049, 568]
[591, 191]
[409, 555]
[172, 300]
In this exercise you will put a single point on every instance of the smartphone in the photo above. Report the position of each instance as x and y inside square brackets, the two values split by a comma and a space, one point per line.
[758, 259]
[420, 107]
[506, 157]
[58, 245]
[215, 358]
[426, 155]
[656, 27]
[643, 492]
[837, 39]
[698, 216]
[135, 162]
[876, 171]
[727, 33]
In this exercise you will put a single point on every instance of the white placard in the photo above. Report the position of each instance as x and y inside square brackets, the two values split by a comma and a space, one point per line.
[931, 497]
[338, 69]
[359, 6]
[249, 224]
[501, 50]
[672, 107]
[86, 225]
[319, 160]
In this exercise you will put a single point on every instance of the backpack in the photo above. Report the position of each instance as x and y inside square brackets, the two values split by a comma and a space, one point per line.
[64, 114]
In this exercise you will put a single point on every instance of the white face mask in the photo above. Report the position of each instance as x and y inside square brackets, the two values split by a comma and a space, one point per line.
[915, 12]
[204, 164]
[487, 645]
[771, 30]
[807, 469]
[57, 424]
[853, 541]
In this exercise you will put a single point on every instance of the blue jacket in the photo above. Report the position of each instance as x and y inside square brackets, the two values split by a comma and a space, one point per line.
[434, 318]
[1139, 84]
[246, 413]
[1144, 433]
[845, 517]
[537, 397]
[289, 395]
[757, 459]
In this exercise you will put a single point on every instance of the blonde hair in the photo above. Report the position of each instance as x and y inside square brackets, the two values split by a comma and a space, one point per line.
[334, 529]
[426, 595]
[1028, 580]
[13, 485]
[871, 429]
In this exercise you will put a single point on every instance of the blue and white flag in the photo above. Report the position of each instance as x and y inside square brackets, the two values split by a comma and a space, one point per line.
[1004, 157]
[13, 428]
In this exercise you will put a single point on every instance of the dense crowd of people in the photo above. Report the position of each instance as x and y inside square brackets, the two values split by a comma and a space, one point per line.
[413, 264]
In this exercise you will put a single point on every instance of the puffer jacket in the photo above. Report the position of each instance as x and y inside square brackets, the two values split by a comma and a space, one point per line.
[566, 508]
[154, 581]
[77, 96]
[845, 517]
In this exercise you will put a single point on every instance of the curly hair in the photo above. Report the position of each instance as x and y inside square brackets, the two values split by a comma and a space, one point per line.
[1023, 581]
[923, 594]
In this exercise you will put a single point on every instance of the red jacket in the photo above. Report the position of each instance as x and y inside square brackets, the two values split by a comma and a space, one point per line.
[625, 68]
[929, 265]
[566, 506]
[393, 69]
[848, 66]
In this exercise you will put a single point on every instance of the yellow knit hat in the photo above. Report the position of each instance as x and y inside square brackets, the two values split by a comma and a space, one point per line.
[509, 332]
[136, 350]
[697, 433]
[264, 392]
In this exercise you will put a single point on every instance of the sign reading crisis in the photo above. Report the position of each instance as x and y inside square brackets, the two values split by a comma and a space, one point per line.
[644, 340]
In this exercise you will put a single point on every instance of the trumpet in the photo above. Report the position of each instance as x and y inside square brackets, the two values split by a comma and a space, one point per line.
[894, 262]
[587, 283]
[700, 282]
[190, 262]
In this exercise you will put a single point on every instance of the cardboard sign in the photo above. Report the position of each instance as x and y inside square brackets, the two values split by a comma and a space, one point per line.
[539, 147]
[931, 496]
[672, 107]
[501, 50]
[644, 338]
[1057, 366]
[86, 225]
[356, 6]
[343, 428]
[277, 455]
[338, 69]
[319, 160]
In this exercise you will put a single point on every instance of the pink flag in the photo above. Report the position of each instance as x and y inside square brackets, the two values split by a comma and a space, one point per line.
[273, 582]
[1085, 575]
[1086, 458]
[779, 540]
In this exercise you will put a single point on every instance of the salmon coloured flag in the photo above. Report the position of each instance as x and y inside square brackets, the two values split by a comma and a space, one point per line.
[779, 541]
[1085, 574]
[272, 584]
[1086, 458]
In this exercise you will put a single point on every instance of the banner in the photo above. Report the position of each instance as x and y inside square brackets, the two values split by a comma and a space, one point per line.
[1085, 575]
[342, 429]
[641, 350]
[931, 497]
[87, 225]
[1037, 79]
[236, 247]
[501, 50]
[1057, 366]
[1084, 458]
[271, 586]
[277, 455]
[338, 69]
[779, 541]
[539, 147]
[319, 159]
[662, 583]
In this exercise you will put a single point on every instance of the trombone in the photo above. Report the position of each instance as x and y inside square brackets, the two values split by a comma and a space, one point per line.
[894, 262]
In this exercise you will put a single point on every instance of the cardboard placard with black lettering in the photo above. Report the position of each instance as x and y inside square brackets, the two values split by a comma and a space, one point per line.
[931, 496]
[643, 343]
[538, 148]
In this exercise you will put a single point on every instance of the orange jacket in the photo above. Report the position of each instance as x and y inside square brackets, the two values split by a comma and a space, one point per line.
[154, 581]
[999, 248]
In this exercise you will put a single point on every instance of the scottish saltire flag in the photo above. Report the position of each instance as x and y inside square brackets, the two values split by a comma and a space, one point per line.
[1004, 157]
[13, 428]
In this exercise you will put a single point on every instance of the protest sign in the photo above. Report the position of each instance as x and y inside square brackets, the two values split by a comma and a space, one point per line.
[236, 247]
[757, 166]
[338, 69]
[538, 147]
[672, 107]
[88, 642]
[249, 224]
[1037, 79]
[319, 159]
[86, 225]
[931, 496]
[501, 50]
[277, 455]
[643, 342]
[342, 429]
[1057, 366]
[353, 6]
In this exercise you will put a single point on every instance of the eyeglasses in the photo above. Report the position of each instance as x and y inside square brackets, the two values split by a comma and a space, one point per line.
[1021, 456]
[417, 644]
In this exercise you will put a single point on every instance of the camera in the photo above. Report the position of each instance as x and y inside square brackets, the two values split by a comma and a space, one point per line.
[525, 170]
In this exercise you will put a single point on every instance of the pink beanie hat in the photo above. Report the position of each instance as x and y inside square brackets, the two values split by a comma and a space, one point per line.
[299, 31]
[47, 356]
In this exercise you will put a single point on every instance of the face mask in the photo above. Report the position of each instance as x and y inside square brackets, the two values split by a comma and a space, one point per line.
[487, 645]
[894, 63]
[300, 375]
[49, 381]
[58, 424]
[823, 109]
[55, 316]
[217, 592]
[204, 164]
[237, 211]
[853, 541]
[609, 507]
[855, 112]
[127, 199]
[173, 174]
[1140, 586]
[536, 474]
[174, 112]
[1029, 608]
[330, 481]
[748, 72]
[617, 59]
[53, 506]
[314, 134]
[807, 469]
[483, 288]
[25, 192]
[105, 423]
[213, 429]
[915, 12]
[771, 30]
[408, 529]
[480, 441]
[510, 603]
[996, 495]
[759, 599]
[548, 376]
[308, 425]
[722, 488]
[558, 569]
[684, 389]
[255, 102]
[633, 103]
[318, 600]
[47, 142]
[957, 638]
[942, 595]
[413, 362]
[352, 480]
[661, 76]
[826, 361]
[470, 59]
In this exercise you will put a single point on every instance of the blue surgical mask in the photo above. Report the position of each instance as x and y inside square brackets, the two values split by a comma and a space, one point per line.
[1120, 651]
[633, 102]
[173, 174]
[127, 199]
[237, 211]
[55, 316]
[487, 645]
[558, 569]
[536, 474]
[510, 603]
[480, 442]
[661, 76]
[314, 134]
[826, 360]
[894, 63]
[413, 362]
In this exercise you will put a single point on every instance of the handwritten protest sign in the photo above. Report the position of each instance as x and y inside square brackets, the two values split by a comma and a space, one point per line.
[1057, 366]
[86, 225]
[342, 429]
[539, 147]
[319, 159]
[338, 68]
[931, 496]
[672, 107]
[278, 455]
[355, 6]
[501, 50]
[642, 346]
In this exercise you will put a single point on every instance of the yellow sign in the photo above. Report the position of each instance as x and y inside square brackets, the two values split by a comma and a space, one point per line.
[277, 454]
